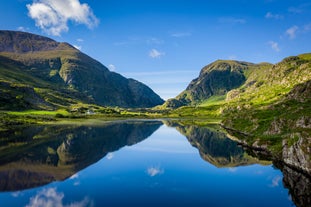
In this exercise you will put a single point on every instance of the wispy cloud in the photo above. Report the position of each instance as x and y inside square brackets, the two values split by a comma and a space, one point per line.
[231, 20]
[300, 8]
[181, 34]
[154, 40]
[161, 73]
[291, 32]
[274, 46]
[153, 171]
[79, 47]
[80, 40]
[22, 29]
[270, 15]
[50, 197]
[232, 57]
[52, 16]
[112, 67]
[155, 53]
[307, 27]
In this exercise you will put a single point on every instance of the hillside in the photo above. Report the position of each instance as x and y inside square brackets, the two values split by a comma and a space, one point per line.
[265, 106]
[215, 79]
[40, 73]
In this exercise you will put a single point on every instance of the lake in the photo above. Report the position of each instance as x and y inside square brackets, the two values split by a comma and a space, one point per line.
[139, 163]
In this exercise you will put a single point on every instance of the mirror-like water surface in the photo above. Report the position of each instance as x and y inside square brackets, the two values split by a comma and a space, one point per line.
[138, 163]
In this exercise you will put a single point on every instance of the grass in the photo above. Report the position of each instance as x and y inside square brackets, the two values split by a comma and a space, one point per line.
[214, 100]
[40, 113]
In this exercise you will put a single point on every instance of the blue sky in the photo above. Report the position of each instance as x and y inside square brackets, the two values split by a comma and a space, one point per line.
[165, 43]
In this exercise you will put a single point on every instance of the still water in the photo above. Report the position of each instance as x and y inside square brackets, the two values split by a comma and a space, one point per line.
[135, 163]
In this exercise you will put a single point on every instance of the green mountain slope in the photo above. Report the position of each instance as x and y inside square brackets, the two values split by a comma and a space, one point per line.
[58, 75]
[268, 107]
[215, 79]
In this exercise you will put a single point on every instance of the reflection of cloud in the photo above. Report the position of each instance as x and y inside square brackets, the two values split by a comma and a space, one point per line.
[16, 194]
[259, 172]
[275, 181]
[270, 15]
[232, 169]
[76, 183]
[153, 171]
[75, 176]
[160, 149]
[109, 156]
[50, 197]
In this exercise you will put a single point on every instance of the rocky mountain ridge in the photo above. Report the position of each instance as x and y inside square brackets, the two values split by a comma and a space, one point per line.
[66, 70]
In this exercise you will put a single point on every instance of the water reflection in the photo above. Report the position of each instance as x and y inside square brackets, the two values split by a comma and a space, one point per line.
[162, 168]
[37, 155]
[215, 147]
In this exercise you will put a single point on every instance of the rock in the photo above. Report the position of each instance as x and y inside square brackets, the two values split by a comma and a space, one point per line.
[298, 154]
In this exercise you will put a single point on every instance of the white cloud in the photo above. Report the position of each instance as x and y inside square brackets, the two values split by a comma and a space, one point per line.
[181, 34]
[52, 16]
[291, 32]
[50, 197]
[112, 67]
[274, 46]
[232, 57]
[23, 29]
[231, 20]
[80, 40]
[153, 171]
[155, 53]
[79, 47]
[270, 15]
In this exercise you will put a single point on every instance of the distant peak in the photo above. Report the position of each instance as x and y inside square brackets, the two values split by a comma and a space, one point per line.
[23, 42]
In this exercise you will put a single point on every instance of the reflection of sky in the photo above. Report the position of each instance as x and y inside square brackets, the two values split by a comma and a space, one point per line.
[165, 140]
[163, 170]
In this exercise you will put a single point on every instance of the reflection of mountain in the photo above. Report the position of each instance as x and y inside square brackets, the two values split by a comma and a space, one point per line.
[299, 186]
[215, 147]
[37, 155]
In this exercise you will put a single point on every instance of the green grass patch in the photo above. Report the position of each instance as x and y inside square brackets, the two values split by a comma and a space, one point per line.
[213, 100]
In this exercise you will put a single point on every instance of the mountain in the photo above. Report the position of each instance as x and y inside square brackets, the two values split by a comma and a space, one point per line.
[215, 79]
[265, 106]
[40, 73]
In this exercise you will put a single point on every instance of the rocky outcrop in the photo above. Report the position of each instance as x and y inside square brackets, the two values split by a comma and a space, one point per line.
[298, 154]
